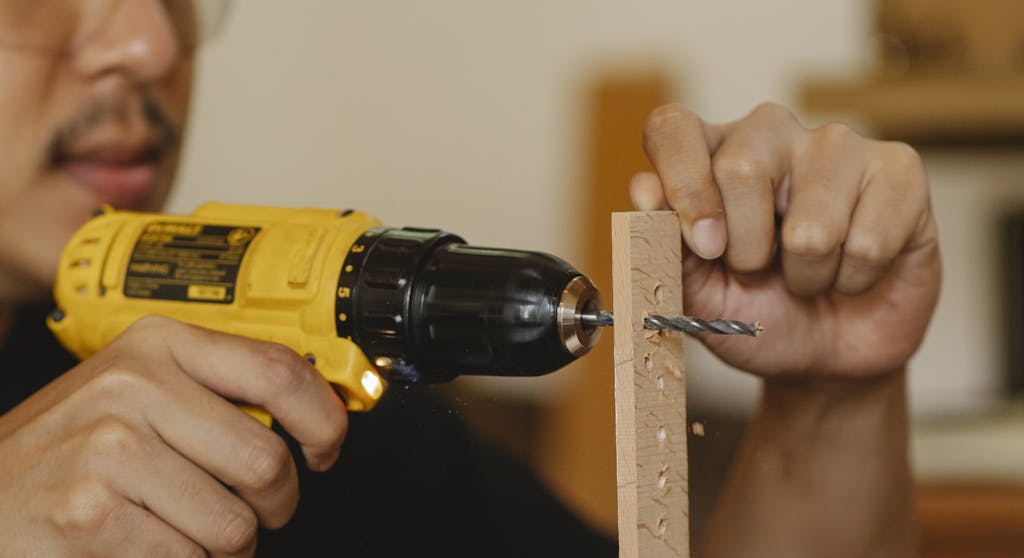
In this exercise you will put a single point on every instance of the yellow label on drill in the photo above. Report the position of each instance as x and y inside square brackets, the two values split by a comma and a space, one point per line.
[187, 261]
[213, 293]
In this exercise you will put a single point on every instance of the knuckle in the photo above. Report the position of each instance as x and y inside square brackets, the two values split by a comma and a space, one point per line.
[667, 118]
[772, 111]
[119, 380]
[904, 156]
[284, 369]
[146, 336]
[266, 464]
[809, 239]
[739, 170]
[85, 506]
[906, 164]
[124, 384]
[112, 437]
[866, 249]
[835, 133]
[238, 532]
[672, 114]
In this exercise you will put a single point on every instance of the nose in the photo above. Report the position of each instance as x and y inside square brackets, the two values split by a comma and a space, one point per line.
[138, 40]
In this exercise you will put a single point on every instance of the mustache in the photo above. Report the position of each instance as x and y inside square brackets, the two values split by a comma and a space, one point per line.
[166, 136]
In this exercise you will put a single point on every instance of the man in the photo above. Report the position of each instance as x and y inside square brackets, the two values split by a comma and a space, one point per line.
[138, 451]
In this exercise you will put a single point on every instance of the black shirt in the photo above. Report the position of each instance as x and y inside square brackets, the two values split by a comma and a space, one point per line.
[411, 480]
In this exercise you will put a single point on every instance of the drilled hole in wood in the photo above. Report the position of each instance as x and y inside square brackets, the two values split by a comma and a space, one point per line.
[659, 382]
[648, 362]
[662, 435]
[659, 296]
[662, 525]
[662, 480]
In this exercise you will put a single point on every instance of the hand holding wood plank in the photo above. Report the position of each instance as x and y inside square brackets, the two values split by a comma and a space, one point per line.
[827, 239]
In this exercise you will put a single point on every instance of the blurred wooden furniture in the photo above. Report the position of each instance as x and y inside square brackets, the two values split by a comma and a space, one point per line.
[971, 520]
[952, 36]
[926, 108]
[947, 71]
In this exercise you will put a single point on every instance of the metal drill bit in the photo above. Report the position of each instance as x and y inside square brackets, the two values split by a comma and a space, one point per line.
[695, 325]
[681, 323]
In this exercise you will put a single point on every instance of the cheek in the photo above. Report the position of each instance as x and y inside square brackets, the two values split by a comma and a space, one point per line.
[27, 111]
[174, 93]
[34, 229]
[38, 212]
[179, 88]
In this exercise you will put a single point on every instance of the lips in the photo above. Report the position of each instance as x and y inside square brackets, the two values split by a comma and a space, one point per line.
[120, 174]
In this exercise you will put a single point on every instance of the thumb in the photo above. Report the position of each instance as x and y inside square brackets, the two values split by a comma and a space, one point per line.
[646, 192]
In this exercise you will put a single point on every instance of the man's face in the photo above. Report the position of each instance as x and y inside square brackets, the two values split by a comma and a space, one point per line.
[94, 120]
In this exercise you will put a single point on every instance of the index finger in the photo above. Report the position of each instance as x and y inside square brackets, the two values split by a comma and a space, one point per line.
[271, 376]
[679, 145]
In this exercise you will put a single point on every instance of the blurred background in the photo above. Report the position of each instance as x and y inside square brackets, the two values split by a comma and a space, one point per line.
[518, 124]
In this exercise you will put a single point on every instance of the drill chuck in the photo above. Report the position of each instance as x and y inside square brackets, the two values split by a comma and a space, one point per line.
[426, 307]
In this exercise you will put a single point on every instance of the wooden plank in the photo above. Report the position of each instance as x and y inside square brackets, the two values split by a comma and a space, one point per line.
[650, 390]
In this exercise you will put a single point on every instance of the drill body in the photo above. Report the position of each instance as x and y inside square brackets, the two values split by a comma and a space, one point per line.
[366, 304]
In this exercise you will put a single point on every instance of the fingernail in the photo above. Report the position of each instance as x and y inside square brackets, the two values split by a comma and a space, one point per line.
[708, 237]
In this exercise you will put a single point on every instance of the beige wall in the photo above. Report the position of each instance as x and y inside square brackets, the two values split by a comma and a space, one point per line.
[466, 115]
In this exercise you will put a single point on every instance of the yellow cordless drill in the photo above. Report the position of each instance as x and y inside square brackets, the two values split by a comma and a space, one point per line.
[366, 304]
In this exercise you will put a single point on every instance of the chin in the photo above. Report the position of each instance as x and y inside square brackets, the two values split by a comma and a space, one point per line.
[27, 280]
[30, 248]
[34, 229]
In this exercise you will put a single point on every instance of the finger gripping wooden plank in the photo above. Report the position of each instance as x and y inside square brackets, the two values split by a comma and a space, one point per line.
[650, 392]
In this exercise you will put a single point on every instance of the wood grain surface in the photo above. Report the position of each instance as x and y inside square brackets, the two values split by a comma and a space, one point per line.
[650, 389]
